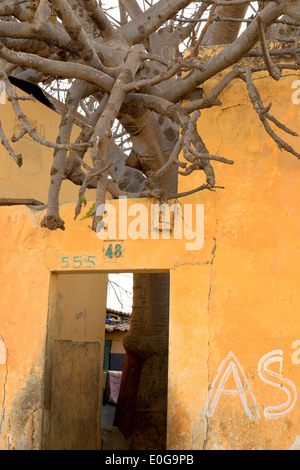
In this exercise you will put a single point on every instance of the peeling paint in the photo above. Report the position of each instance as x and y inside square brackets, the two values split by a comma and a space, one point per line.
[26, 415]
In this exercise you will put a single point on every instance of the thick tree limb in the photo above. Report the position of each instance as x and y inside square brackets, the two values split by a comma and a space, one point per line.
[100, 19]
[102, 132]
[61, 69]
[77, 34]
[229, 56]
[20, 202]
[225, 31]
[52, 219]
[273, 70]
[149, 21]
[136, 65]
[132, 7]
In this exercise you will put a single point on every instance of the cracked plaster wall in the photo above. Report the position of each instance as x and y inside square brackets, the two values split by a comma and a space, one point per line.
[238, 294]
[235, 382]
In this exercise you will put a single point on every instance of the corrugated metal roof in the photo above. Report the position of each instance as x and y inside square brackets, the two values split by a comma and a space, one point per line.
[117, 312]
[117, 326]
[117, 321]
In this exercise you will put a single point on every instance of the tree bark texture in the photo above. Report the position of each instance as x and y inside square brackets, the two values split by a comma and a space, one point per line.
[141, 412]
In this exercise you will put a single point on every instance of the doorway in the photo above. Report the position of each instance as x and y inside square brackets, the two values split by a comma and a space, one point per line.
[75, 383]
[117, 325]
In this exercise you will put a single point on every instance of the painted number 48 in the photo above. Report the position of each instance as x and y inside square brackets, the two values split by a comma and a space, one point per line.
[113, 251]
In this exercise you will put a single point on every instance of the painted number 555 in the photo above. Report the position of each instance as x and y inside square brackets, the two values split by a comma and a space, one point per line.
[78, 262]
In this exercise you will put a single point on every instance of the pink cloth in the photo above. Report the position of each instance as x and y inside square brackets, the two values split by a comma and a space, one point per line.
[113, 385]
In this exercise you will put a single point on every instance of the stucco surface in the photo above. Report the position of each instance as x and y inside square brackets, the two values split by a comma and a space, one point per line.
[234, 359]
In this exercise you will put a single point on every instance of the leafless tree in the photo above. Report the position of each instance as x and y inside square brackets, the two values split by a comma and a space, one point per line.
[128, 86]
[127, 65]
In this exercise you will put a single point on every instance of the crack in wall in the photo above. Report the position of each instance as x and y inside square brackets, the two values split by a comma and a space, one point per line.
[218, 125]
[33, 425]
[4, 387]
[213, 253]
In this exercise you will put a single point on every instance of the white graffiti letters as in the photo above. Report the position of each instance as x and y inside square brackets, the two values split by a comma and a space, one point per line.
[232, 366]
[278, 381]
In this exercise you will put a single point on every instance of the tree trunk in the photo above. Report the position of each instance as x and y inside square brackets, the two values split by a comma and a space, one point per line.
[225, 32]
[141, 412]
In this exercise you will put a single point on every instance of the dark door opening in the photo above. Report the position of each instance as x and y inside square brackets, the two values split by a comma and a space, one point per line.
[117, 325]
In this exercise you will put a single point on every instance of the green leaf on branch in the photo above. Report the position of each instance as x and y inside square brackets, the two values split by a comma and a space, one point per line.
[89, 212]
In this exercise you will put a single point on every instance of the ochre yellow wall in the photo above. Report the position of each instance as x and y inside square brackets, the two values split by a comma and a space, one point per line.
[76, 319]
[30, 261]
[77, 306]
[246, 299]
[33, 178]
[116, 338]
[234, 304]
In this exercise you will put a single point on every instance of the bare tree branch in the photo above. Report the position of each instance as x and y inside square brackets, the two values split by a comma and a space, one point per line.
[123, 82]
[263, 114]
